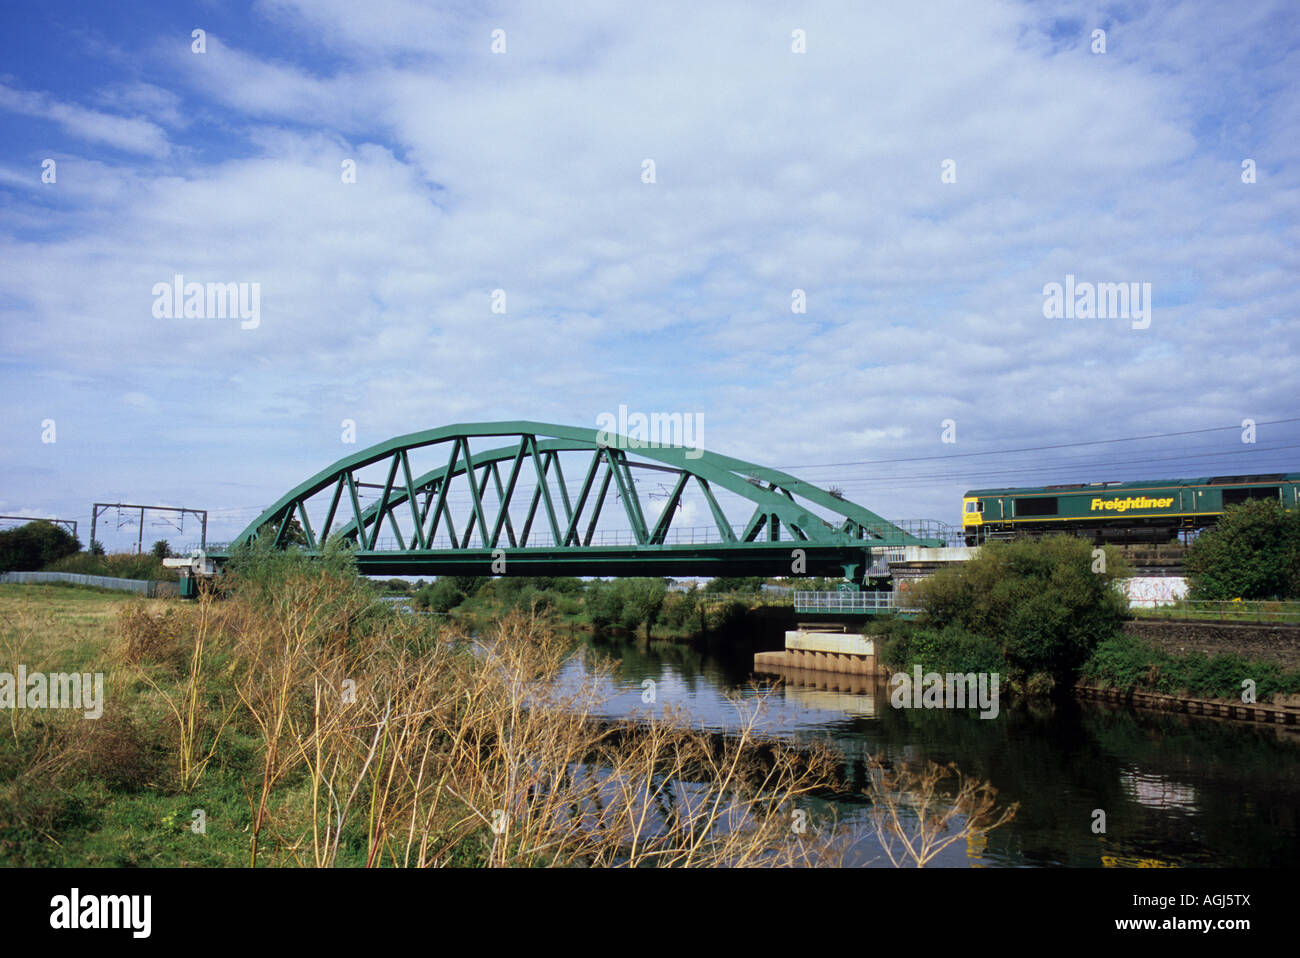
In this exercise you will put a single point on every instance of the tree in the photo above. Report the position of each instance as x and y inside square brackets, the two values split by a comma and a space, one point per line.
[753, 583]
[293, 532]
[604, 605]
[96, 547]
[442, 596]
[1253, 553]
[33, 546]
[642, 601]
[161, 549]
[1046, 602]
[625, 604]
[469, 584]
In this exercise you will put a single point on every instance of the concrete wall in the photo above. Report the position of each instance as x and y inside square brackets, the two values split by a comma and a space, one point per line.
[1153, 590]
[1266, 643]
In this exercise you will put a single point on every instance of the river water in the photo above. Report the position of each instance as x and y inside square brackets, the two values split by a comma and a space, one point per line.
[1175, 789]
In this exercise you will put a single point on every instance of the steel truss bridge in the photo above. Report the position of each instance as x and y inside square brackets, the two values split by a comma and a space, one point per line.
[510, 509]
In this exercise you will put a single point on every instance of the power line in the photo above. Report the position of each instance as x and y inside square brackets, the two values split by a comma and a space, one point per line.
[1003, 452]
[1067, 464]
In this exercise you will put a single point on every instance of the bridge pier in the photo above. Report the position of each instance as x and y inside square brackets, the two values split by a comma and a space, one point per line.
[816, 649]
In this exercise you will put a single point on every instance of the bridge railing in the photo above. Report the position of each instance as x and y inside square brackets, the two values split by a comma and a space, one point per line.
[751, 598]
[932, 529]
[688, 535]
[850, 602]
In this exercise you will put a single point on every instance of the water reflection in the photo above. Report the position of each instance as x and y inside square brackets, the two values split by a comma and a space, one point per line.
[1157, 791]
[1176, 789]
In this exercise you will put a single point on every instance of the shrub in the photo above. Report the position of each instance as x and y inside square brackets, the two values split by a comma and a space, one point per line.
[119, 565]
[144, 636]
[751, 583]
[33, 546]
[642, 601]
[1253, 553]
[948, 651]
[680, 610]
[1039, 600]
[604, 605]
[117, 752]
[1127, 663]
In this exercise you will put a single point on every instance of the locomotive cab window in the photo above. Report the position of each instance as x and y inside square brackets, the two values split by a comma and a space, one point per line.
[1036, 506]
[974, 507]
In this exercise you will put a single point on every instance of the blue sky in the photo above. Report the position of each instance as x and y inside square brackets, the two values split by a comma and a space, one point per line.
[522, 171]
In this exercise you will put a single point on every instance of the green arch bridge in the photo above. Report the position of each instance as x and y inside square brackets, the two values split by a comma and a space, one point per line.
[493, 498]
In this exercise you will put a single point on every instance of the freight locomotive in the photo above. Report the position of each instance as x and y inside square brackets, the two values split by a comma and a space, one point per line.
[1147, 511]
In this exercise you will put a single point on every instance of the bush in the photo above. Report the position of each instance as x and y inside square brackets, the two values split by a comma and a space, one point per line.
[469, 584]
[732, 614]
[680, 610]
[1253, 553]
[751, 583]
[442, 596]
[33, 546]
[1039, 600]
[119, 565]
[642, 601]
[117, 752]
[261, 572]
[626, 604]
[604, 605]
[143, 635]
[1127, 663]
[949, 651]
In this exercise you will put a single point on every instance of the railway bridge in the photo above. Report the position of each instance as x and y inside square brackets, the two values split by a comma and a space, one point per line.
[494, 499]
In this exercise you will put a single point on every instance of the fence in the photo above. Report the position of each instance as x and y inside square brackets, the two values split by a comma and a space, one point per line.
[146, 587]
[1243, 611]
[851, 602]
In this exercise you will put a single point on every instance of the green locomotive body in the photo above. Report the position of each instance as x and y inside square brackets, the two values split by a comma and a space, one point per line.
[1150, 510]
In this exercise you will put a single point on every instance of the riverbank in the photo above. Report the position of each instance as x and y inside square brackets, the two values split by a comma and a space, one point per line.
[300, 722]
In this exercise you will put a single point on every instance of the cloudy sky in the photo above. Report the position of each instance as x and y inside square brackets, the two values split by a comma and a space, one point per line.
[919, 170]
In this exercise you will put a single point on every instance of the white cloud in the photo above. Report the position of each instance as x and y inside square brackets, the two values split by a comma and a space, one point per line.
[132, 134]
[775, 171]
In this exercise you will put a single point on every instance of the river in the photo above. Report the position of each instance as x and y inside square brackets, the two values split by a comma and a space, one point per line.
[1175, 789]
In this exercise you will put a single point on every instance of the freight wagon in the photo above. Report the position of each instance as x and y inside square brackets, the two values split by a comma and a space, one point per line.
[1148, 511]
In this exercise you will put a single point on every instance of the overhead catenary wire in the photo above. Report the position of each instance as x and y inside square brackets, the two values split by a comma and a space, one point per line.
[1061, 445]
